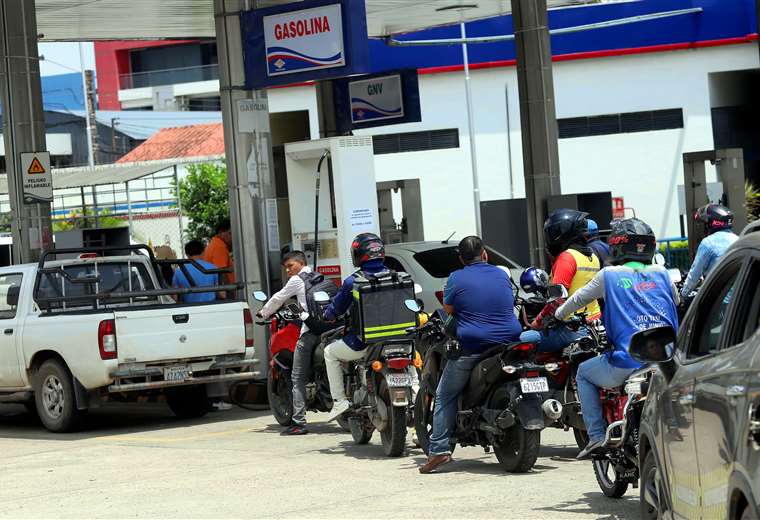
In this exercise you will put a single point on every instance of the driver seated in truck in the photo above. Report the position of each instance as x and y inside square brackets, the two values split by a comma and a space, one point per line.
[295, 266]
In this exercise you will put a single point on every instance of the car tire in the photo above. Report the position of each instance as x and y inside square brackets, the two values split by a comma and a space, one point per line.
[188, 402]
[650, 491]
[54, 397]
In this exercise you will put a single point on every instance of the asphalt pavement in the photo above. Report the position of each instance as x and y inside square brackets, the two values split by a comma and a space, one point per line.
[138, 461]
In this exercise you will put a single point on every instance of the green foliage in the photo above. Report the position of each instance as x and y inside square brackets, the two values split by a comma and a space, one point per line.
[752, 201]
[204, 198]
[5, 222]
[82, 220]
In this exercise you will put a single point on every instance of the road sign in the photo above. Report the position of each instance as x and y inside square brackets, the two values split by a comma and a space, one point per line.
[37, 177]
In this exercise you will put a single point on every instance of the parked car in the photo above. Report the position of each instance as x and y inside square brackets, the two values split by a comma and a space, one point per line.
[81, 330]
[431, 263]
[700, 428]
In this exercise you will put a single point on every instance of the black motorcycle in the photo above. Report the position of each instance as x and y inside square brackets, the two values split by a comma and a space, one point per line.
[501, 407]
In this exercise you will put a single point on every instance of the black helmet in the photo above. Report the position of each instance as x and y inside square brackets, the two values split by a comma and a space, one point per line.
[563, 228]
[631, 240]
[715, 218]
[366, 247]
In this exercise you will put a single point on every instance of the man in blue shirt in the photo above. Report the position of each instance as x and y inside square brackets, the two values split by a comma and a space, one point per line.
[638, 296]
[194, 251]
[719, 222]
[480, 299]
[597, 245]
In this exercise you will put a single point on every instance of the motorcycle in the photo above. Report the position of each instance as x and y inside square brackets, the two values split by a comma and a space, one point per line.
[617, 467]
[501, 407]
[285, 329]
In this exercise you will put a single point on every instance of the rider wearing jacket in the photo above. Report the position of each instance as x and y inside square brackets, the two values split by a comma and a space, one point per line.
[638, 296]
[575, 264]
[718, 221]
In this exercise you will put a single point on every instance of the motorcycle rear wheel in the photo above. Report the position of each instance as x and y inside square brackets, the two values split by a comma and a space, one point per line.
[394, 435]
[360, 432]
[424, 407]
[280, 396]
[519, 450]
[611, 486]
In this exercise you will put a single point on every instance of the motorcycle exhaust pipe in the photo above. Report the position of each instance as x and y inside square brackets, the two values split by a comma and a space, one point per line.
[552, 409]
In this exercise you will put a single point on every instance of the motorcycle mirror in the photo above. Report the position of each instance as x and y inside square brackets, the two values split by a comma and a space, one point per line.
[259, 296]
[659, 259]
[675, 275]
[555, 292]
[412, 305]
[656, 345]
[417, 289]
[321, 297]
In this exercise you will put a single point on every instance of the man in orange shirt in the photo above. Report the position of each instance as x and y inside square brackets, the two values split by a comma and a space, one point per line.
[218, 249]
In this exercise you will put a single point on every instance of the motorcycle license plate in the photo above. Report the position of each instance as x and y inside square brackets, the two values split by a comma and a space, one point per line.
[395, 380]
[534, 385]
[177, 373]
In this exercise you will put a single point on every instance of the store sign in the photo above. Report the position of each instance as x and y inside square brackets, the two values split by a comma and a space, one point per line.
[304, 40]
[618, 207]
[376, 99]
[332, 272]
[37, 177]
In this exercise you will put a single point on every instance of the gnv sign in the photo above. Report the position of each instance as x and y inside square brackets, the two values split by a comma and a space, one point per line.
[309, 39]
[376, 99]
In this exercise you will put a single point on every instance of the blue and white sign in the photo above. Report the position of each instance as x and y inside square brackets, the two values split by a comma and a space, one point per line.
[376, 99]
[304, 40]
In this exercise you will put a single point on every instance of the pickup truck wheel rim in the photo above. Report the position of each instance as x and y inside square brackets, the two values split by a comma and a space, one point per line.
[52, 396]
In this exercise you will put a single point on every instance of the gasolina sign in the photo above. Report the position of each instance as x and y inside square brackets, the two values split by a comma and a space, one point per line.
[376, 99]
[304, 40]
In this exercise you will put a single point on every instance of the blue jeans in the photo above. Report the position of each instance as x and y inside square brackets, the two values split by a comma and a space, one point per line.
[594, 374]
[554, 339]
[456, 375]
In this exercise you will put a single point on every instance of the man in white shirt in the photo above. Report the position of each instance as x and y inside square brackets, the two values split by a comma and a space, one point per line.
[294, 263]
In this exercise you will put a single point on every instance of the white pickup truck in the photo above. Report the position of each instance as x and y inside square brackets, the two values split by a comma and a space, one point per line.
[78, 331]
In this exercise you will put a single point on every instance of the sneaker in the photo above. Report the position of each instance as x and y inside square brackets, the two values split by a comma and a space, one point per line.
[221, 406]
[434, 462]
[338, 409]
[296, 429]
[592, 448]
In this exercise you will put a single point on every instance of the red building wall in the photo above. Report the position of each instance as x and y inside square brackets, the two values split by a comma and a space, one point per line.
[112, 60]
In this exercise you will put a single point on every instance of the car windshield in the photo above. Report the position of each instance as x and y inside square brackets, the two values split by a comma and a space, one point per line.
[441, 262]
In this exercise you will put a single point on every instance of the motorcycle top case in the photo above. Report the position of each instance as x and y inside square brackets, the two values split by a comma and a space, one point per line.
[379, 313]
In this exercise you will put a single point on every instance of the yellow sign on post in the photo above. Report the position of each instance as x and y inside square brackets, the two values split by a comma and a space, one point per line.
[37, 177]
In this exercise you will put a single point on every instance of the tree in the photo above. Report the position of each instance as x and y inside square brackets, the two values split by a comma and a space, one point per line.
[76, 219]
[204, 198]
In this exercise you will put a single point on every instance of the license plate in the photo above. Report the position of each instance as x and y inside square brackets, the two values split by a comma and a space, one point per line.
[177, 373]
[534, 385]
[395, 380]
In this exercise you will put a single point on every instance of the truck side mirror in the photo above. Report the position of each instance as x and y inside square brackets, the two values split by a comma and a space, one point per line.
[656, 345]
[321, 297]
[259, 296]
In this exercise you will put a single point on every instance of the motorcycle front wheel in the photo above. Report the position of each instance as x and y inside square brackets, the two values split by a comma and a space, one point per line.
[394, 435]
[343, 423]
[608, 479]
[280, 396]
[360, 431]
[518, 451]
[424, 407]
[581, 438]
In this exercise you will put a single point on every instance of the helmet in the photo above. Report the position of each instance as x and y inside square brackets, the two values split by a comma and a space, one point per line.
[534, 280]
[593, 228]
[366, 247]
[714, 217]
[631, 240]
[563, 228]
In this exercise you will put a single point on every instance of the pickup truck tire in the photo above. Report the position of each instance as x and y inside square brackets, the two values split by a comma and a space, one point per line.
[188, 402]
[54, 397]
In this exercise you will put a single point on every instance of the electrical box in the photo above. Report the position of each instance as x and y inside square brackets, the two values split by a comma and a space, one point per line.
[347, 198]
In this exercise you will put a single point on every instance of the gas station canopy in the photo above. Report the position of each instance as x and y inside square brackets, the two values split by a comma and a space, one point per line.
[86, 20]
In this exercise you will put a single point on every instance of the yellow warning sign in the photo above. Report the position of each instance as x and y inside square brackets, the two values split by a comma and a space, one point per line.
[36, 167]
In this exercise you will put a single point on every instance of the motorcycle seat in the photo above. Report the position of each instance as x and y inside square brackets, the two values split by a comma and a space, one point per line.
[332, 335]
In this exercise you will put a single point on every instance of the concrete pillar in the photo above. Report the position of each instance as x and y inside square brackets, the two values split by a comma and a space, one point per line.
[537, 115]
[249, 164]
[23, 123]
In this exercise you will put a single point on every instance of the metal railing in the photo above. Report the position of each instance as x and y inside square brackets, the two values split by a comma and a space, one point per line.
[157, 78]
[676, 252]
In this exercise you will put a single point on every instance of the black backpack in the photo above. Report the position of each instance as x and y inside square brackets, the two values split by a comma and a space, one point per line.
[315, 282]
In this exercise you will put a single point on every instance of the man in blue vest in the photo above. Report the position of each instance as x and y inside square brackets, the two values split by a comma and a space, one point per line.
[638, 296]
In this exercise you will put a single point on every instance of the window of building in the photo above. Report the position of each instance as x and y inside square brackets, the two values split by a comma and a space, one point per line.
[416, 141]
[628, 122]
[213, 103]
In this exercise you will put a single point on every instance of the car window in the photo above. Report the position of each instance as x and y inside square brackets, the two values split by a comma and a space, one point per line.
[10, 287]
[714, 305]
[750, 304]
[441, 262]
[393, 264]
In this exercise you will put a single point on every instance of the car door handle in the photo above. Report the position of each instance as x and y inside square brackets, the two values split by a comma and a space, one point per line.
[686, 399]
[8, 332]
[736, 391]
